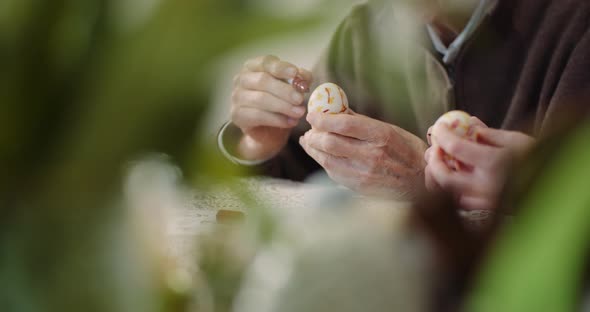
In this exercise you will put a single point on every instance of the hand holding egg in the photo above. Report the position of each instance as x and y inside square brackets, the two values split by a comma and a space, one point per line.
[471, 160]
[461, 124]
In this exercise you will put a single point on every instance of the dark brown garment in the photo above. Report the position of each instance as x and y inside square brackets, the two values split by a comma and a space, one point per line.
[526, 67]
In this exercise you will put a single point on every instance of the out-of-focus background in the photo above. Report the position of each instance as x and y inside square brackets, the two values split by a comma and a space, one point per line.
[110, 187]
[94, 89]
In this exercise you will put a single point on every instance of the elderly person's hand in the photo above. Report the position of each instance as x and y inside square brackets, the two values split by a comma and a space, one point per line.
[367, 155]
[265, 107]
[481, 178]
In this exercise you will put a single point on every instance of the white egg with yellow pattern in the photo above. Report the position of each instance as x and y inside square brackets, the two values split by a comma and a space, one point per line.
[461, 124]
[328, 98]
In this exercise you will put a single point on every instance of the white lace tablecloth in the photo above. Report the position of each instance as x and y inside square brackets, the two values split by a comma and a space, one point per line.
[198, 214]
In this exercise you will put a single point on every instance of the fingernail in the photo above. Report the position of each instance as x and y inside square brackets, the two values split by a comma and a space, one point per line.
[297, 97]
[299, 110]
[292, 121]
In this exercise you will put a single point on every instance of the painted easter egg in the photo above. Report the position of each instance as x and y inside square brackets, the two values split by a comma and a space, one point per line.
[328, 98]
[460, 123]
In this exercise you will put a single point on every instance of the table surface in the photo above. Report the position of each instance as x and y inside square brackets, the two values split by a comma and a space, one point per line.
[197, 215]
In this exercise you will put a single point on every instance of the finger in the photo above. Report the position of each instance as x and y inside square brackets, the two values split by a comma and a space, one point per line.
[306, 75]
[501, 138]
[471, 183]
[273, 65]
[268, 102]
[466, 151]
[447, 179]
[350, 125]
[338, 169]
[335, 166]
[428, 154]
[475, 203]
[263, 81]
[249, 117]
[334, 144]
[430, 182]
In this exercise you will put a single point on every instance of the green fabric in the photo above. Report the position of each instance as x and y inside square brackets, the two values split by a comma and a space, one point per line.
[377, 56]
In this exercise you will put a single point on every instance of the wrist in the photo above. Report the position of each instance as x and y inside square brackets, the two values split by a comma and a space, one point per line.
[228, 142]
[250, 149]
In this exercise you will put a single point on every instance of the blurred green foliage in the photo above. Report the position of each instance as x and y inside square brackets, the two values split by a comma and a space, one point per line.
[540, 260]
[86, 86]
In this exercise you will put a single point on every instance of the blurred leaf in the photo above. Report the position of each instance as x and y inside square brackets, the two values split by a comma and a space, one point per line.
[537, 264]
[83, 92]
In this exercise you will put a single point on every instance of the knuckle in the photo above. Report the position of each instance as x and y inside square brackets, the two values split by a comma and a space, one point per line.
[327, 162]
[243, 79]
[269, 58]
[265, 58]
[270, 62]
[376, 159]
[274, 67]
[344, 127]
[260, 79]
[327, 142]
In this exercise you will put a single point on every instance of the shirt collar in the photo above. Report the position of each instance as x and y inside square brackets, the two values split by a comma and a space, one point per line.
[484, 8]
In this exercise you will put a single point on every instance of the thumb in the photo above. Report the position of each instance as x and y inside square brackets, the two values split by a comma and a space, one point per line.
[502, 138]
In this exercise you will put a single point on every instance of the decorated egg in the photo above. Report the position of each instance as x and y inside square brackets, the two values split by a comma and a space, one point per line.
[328, 98]
[460, 123]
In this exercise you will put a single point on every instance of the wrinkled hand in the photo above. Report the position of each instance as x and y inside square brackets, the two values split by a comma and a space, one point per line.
[366, 155]
[487, 161]
[265, 107]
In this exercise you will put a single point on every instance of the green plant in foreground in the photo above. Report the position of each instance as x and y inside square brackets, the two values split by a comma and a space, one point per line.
[87, 86]
[539, 261]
